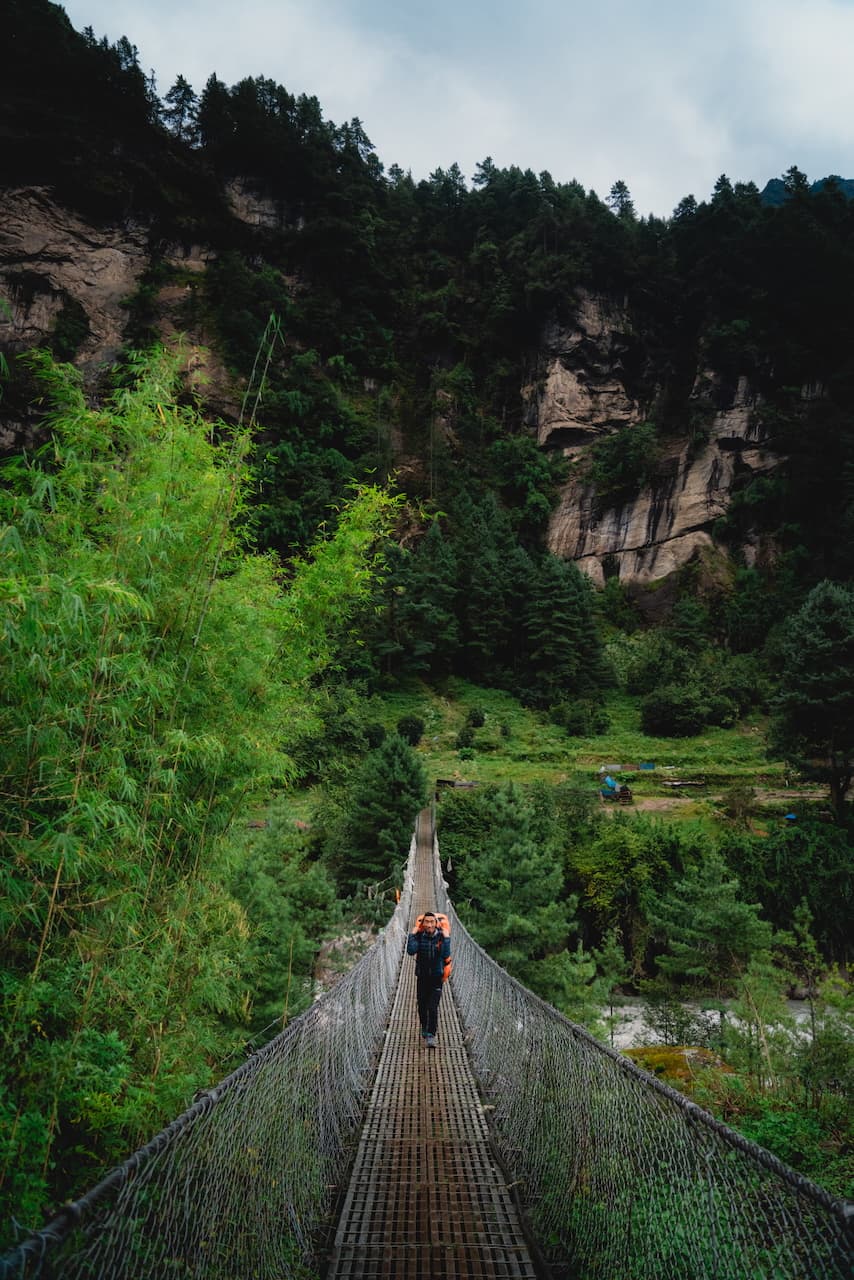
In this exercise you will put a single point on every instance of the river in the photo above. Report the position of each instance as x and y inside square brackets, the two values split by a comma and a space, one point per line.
[631, 1031]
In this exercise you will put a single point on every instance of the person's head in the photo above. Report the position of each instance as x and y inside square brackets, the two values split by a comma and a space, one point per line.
[429, 923]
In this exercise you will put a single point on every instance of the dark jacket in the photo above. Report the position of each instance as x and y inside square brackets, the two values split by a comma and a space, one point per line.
[430, 953]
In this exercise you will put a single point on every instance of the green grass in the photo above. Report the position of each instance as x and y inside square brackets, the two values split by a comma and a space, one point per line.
[533, 749]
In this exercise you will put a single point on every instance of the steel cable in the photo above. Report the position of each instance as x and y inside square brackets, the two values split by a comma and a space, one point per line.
[241, 1184]
[620, 1175]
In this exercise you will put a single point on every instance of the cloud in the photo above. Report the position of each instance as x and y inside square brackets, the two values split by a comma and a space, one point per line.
[664, 95]
[803, 56]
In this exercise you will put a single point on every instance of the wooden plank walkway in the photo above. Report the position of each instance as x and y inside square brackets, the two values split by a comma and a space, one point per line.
[426, 1196]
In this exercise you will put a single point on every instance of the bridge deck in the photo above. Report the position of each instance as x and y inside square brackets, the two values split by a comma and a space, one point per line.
[426, 1196]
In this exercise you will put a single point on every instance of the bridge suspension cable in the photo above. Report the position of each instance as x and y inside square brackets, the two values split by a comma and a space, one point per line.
[241, 1183]
[620, 1176]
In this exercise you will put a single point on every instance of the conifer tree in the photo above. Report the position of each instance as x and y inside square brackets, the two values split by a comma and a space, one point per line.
[611, 970]
[815, 704]
[431, 605]
[418, 631]
[563, 649]
[519, 573]
[620, 200]
[181, 114]
[485, 572]
[511, 896]
[711, 933]
[385, 795]
[215, 115]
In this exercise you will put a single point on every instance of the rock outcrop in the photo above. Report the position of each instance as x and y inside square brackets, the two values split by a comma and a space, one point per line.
[581, 396]
[48, 257]
[580, 388]
[671, 519]
[55, 265]
[249, 206]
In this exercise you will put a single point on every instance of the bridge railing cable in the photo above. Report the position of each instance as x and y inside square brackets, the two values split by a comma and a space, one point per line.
[619, 1174]
[239, 1185]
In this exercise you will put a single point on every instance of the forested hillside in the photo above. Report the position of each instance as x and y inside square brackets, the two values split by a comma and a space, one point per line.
[248, 621]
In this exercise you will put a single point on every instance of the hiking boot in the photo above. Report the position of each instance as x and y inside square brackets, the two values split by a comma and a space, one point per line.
[430, 1041]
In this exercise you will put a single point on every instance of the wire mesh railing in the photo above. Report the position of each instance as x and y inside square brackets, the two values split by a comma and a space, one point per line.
[241, 1184]
[621, 1176]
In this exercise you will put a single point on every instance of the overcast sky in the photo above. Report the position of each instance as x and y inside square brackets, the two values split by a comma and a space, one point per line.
[665, 94]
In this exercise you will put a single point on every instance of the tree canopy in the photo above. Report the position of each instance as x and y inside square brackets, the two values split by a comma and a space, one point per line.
[815, 703]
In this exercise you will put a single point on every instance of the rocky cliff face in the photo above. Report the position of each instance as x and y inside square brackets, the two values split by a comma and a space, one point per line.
[580, 389]
[56, 269]
[50, 258]
[581, 395]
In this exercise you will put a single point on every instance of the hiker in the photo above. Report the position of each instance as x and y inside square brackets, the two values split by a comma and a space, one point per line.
[431, 948]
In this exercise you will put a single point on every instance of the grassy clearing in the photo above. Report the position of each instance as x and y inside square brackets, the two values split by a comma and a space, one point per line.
[520, 745]
[514, 744]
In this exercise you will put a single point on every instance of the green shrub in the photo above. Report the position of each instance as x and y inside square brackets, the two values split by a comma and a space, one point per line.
[739, 802]
[721, 711]
[70, 330]
[675, 711]
[580, 719]
[375, 735]
[411, 729]
[622, 463]
[655, 661]
[742, 678]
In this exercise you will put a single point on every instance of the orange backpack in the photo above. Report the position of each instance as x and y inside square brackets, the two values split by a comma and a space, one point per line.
[444, 927]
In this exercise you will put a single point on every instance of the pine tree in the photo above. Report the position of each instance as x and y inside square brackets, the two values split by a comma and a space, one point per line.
[386, 793]
[563, 650]
[513, 888]
[433, 590]
[711, 934]
[759, 1036]
[611, 970]
[519, 572]
[418, 630]
[620, 201]
[215, 116]
[815, 705]
[486, 569]
[181, 114]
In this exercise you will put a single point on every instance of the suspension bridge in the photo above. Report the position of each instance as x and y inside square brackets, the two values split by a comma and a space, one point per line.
[520, 1147]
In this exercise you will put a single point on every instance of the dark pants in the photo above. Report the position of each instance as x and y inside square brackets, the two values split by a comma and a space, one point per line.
[429, 992]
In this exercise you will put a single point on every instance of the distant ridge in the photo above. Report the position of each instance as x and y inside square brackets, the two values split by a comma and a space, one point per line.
[774, 192]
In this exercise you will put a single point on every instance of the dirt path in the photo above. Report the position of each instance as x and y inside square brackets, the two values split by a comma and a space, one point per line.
[764, 796]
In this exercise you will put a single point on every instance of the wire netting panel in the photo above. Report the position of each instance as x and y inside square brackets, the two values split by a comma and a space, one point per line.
[241, 1184]
[620, 1175]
